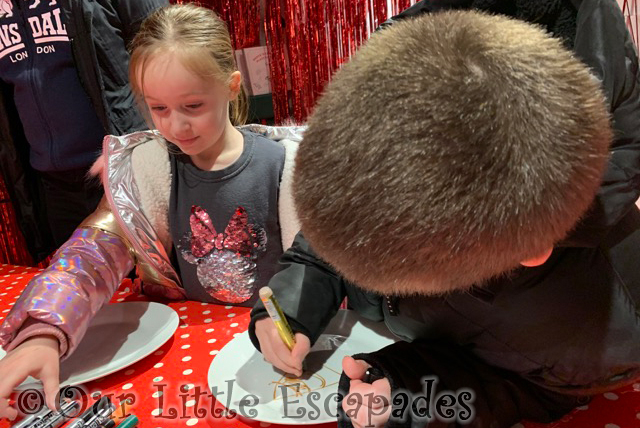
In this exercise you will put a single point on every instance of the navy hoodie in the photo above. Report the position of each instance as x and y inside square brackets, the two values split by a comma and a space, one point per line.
[58, 118]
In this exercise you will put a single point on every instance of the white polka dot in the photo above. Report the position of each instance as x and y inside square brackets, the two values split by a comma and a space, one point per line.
[208, 320]
[637, 415]
[129, 372]
[211, 341]
[209, 330]
[190, 403]
[611, 426]
[121, 292]
[3, 294]
[158, 353]
[231, 315]
[214, 352]
[187, 358]
[184, 308]
[185, 347]
[158, 379]
[610, 396]
[6, 310]
[585, 407]
[127, 386]
[156, 412]
[187, 372]
[157, 394]
[226, 307]
[184, 317]
[234, 324]
[636, 386]
[157, 366]
[8, 288]
[184, 326]
[204, 303]
[184, 336]
[191, 422]
[188, 386]
[267, 424]
[120, 300]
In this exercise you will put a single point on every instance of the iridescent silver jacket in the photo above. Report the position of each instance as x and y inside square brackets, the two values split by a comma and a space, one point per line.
[129, 228]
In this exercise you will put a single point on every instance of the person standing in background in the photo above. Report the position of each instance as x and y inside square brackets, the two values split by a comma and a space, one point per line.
[63, 87]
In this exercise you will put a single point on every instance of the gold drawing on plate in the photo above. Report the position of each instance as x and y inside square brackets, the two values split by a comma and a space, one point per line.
[298, 387]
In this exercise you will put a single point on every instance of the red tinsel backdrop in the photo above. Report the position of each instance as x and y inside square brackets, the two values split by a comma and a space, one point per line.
[307, 41]
[631, 8]
[13, 249]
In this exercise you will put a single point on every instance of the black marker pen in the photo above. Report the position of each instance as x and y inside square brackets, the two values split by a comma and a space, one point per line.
[30, 419]
[58, 418]
[90, 412]
[100, 418]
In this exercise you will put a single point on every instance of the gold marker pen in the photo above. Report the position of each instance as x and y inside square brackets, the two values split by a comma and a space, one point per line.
[271, 304]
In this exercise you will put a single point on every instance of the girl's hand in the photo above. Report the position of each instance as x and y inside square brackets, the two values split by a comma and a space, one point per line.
[366, 404]
[276, 352]
[37, 356]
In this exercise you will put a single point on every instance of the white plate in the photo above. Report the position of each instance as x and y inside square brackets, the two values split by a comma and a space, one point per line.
[240, 372]
[119, 335]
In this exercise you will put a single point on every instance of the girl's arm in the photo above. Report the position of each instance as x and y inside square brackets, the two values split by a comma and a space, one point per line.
[82, 276]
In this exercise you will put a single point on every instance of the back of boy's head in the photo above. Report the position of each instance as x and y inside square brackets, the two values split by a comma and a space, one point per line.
[449, 149]
[198, 38]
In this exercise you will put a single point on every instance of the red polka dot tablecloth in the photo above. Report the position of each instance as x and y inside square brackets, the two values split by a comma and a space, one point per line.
[169, 387]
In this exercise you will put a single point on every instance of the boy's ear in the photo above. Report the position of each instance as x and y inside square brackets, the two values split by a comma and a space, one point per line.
[537, 260]
[235, 82]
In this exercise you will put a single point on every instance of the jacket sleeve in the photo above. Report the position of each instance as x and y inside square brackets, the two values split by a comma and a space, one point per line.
[426, 6]
[133, 12]
[82, 276]
[308, 290]
[474, 392]
[604, 44]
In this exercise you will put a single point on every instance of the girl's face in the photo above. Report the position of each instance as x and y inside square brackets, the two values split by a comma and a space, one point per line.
[188, 111]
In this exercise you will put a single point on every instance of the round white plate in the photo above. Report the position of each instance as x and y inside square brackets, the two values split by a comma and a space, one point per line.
[119, 335]
[251, 387]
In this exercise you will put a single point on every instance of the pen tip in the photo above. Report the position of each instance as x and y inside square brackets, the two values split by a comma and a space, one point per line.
[265, 292]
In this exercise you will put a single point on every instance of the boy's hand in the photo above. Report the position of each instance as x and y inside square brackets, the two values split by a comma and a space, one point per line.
[37, 356]
[276, 352]
[366, 404]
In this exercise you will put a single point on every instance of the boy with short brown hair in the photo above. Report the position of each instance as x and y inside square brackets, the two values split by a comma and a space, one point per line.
[440, 173]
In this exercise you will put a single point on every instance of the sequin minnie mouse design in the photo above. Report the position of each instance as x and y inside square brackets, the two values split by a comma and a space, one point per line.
[225, 262]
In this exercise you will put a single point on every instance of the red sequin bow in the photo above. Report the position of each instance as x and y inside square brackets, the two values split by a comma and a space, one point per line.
[204, 238]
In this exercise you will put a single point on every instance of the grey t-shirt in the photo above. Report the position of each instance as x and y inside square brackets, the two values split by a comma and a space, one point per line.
[224, 224]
